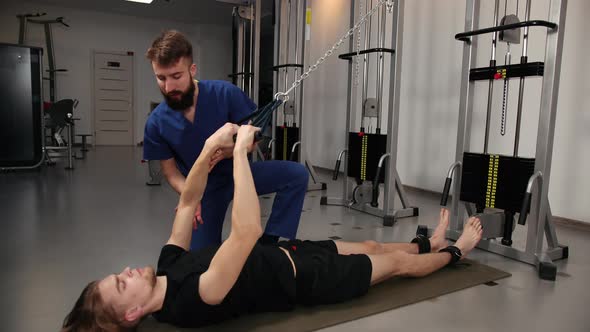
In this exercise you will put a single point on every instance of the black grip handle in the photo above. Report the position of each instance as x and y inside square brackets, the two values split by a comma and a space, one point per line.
[526, 201]
[375, 195]
[445, 194]
[257, 137]
[336, 170]
[292, 156]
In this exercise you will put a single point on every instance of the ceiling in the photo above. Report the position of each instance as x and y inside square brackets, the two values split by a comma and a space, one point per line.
[186, 11]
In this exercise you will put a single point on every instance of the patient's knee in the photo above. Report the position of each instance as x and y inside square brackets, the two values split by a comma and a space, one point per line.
[373, 247]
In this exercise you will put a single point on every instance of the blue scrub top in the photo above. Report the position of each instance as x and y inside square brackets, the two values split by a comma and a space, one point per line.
[168, 134]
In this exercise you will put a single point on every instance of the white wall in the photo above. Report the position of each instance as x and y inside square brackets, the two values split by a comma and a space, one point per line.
[431, 67]
[325, 90]
[112, 32]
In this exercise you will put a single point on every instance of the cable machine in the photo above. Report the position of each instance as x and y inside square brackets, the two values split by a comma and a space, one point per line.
[496, 187]
[371, 155]
[59, 115]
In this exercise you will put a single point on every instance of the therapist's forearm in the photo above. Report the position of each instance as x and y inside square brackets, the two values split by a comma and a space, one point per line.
[175, 179]
[177, 182]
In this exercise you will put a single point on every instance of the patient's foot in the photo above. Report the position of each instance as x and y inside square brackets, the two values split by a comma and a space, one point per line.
[470, 237]
[438, 241]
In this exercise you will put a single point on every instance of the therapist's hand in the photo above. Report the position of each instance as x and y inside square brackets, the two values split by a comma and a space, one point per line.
[223, 138]
[219, 155]
[197, 219]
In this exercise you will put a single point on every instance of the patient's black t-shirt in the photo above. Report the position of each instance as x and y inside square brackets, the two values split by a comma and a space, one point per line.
[266, 283]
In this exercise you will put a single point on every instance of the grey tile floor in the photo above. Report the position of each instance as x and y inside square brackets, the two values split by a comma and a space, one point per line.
[61, 229]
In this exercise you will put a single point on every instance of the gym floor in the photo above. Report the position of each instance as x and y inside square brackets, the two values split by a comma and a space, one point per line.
[62, 229]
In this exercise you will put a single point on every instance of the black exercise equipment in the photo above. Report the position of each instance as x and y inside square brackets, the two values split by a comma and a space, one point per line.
[21, 123]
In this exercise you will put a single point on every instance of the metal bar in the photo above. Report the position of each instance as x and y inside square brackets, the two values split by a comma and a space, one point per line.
[351, 98]
[550, 234]
[527, 17]
[287, 49]
[51, 61]
[250, 49]
[532, 225]
[382, 76]
[349, 56]
[380, 66]
[287, 65]
[465, 107]
[495, 34]
[40, 105]
[255, 51]
[241, 50]
[288, 41]
[297, 17]
[401, 191]
[70, 143]
[303, 156]
[491, 82]
[394, 106]
[365, 66]
[548, 111]
[276, 73]
[464, 36]
[525, 43]
[296, 92]
[310, 168]
[287, 54]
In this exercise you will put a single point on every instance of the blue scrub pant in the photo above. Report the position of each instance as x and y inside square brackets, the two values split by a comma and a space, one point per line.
[285, 178]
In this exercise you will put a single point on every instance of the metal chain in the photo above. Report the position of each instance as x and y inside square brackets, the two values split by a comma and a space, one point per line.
[358, 48]
[504, 108]
[285, 95]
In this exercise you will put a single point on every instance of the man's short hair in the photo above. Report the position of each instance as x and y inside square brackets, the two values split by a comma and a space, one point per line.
[169, 47]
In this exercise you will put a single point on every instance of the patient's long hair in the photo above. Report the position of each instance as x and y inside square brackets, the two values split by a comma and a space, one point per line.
[91, 314]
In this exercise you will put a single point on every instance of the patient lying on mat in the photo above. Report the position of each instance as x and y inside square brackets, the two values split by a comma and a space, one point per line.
[240, 276]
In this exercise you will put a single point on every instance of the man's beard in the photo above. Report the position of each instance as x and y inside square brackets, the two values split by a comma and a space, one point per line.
[186, 98]
[151, 276]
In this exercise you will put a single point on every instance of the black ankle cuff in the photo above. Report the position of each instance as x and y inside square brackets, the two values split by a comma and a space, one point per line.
[455, 254]
[423, 244]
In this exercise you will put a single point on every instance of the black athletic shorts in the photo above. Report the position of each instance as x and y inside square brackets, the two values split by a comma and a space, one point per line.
[324, 276]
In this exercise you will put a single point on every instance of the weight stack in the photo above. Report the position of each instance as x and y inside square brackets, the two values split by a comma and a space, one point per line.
[364, 152]
[285, 138]
[495, 181]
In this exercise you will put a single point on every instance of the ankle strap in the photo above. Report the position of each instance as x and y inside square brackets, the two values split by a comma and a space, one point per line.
[455, 254]
[423, 244]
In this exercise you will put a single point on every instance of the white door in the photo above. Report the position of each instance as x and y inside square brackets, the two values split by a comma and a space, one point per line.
[113, 95]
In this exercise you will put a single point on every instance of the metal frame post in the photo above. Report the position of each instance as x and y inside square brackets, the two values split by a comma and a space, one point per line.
[465, 107]
[548, 111]
[255, 78]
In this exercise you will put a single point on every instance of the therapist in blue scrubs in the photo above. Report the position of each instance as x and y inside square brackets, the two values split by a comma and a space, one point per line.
[176, 131]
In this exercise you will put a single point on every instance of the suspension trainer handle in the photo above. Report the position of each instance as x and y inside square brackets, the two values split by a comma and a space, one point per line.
[260, 118]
